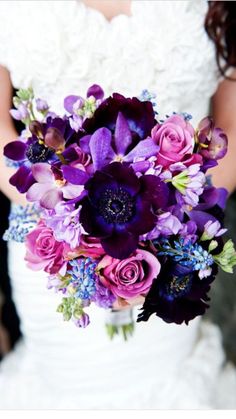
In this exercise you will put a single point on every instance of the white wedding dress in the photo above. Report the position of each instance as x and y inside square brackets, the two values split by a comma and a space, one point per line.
[61, 48]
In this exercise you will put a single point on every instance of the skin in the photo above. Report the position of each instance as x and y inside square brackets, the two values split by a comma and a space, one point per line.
[223, 112]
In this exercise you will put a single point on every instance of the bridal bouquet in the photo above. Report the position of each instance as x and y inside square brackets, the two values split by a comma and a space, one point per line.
[126, 210]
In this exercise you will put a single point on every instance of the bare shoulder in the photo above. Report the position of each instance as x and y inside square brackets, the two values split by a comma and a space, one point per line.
[224, 101]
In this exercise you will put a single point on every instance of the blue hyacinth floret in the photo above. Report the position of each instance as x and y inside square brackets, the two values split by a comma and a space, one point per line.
[83, 277]
[187, 254]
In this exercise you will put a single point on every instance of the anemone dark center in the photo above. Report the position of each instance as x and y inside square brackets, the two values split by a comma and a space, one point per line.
[179, 286]
[116, 206]
[38, 153]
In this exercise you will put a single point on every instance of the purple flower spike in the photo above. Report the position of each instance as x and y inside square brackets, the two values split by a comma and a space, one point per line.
[119, 207]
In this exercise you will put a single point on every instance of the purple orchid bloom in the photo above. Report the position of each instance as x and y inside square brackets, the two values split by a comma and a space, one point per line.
[105, 147]
[49, 189]
[120, 207]
[212, 141]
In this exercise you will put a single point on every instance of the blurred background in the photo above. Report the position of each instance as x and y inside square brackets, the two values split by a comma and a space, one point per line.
[223, 293]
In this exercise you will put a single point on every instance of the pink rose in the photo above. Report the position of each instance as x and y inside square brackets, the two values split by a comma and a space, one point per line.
[175, 138]
[130, 277]
[90, 247]
[43, 251]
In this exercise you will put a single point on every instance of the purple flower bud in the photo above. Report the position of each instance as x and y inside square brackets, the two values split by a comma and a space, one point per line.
[36, 128]
[212, 229]
[83, 321]
[96, 91]
[41, 105]
[20, 113]
[15, 114]
[54, 139]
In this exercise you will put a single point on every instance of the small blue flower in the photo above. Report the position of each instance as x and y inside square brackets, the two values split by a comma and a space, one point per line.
[83, 277]
[187, 254]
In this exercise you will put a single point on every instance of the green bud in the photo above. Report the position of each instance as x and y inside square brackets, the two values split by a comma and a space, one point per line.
[212, 246]
[25, 94]
[227, 258]
[180, 181]
[60, 308]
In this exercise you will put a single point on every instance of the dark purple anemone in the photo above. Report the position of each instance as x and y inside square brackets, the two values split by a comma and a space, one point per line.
[36, 149]
[120, 206]
[177, 295]
[139, 116]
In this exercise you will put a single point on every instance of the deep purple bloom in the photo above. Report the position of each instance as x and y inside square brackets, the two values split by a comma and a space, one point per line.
[139, 116]
[177, 295]
[120, 207]
[36, 150]
[105, 147]
[212, 141]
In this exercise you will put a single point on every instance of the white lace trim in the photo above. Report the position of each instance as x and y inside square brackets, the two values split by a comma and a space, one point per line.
[60, 47]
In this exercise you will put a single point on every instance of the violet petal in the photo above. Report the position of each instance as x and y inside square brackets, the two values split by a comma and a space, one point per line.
[15, 150]
[69, 101]
[22, 179]
[120, 246]
[146, 148]
[96, 91]
[74, 175]
[100, 146]
[123, 136]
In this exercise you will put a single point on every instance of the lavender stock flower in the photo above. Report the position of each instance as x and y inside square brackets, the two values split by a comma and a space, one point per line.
[65, 224]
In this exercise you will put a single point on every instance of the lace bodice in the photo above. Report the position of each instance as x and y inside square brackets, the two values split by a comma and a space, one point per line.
[62, 47]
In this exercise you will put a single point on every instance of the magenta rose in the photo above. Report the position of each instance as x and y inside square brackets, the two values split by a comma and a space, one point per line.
[43, 251]
[130, 277]
[175, 138]
[90, 247]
